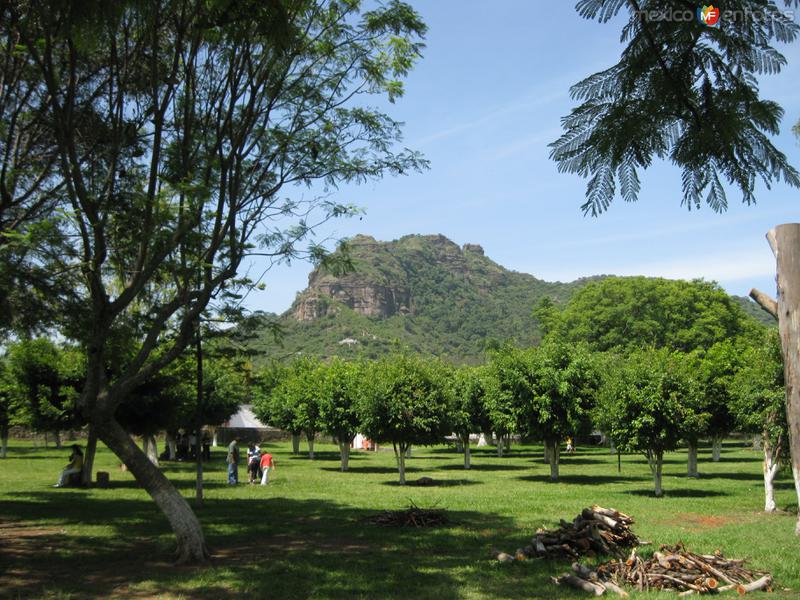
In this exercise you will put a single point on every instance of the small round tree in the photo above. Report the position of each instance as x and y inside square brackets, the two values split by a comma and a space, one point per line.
[406, 403]
[508, 386]
[564, 385]
[643, 405]
[759, 403]
[341, 387]
[469, 413]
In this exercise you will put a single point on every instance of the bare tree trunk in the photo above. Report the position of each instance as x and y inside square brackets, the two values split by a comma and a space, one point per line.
[88, 456]
[691, 470]
[198, 452]
[172, 446]
[400, 454]
[555, 453]
[57, 436]
[507, 442]
[770, 468]
[656, 462]
[547, 452]
[499, 445]
[3, 441]
[344, 449]
[150, 448]
[716, 448]
[184, 523]
[310, 437]
[785, 243]
[296, 443]
[757, 442]
[465, 443]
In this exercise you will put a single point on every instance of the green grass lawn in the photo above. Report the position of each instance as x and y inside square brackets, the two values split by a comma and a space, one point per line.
[304, 535]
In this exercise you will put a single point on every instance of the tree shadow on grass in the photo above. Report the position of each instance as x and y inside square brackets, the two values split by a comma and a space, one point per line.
[436, 483]
[481, 466]
[581, 479]
[305, 548]
[733, 476]
[679, 493]
[372, 470]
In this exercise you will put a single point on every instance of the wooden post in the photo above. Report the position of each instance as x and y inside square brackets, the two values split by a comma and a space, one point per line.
[785, 243]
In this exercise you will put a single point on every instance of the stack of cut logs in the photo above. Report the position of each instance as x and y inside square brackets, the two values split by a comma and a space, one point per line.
[672, 568]
[596, 530]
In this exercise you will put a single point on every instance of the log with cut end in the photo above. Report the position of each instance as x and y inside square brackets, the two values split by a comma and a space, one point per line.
[758, 584]
[581, 584]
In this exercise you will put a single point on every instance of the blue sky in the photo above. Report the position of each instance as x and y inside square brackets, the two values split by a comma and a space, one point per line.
[482, 106]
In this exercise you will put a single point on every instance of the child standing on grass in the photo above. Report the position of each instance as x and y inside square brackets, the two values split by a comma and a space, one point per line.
[267, 463]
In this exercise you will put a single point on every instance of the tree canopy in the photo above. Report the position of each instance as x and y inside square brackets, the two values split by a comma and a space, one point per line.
[685, 92]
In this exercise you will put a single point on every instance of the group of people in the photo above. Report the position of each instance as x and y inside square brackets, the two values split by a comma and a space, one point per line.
[259, 463]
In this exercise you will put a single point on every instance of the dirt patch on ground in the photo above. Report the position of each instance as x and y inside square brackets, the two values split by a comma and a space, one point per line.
[698, 522]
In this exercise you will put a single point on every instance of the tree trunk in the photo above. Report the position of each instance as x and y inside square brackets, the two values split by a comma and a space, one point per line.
[198, 452]
[657, 474]
[612, 447]
[88, 456]
[785, 243]
[499, 446]
[459, 444]
[296, 443]
[507, 442]
[184, 523]
[691, 470]
[547, 452]
[3, 441]
[310, 437]
[401, 462]
[214, 438]
[150, 448]
[344, 449]
[716, 448]
[555, 452]
[465, 443]
[770, 468]
[172, 446]
[57, 436]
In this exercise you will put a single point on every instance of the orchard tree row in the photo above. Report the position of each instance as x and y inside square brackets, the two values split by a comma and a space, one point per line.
[647, 400]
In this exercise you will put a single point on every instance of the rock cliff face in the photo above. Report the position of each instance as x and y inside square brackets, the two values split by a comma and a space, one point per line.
[381, 285]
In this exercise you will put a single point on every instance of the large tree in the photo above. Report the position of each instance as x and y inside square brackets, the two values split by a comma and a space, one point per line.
[180, 127]
[625, 313]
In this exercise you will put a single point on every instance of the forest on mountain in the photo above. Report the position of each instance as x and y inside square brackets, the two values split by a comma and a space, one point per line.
[425, 294]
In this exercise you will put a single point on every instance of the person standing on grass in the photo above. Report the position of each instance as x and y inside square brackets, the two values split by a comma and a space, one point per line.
[233, 462]
[267, 463]
[253, 456]
[75, 466]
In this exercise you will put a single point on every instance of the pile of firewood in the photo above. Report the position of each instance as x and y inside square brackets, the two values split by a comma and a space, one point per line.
[413, 516]
[671, 568]
[596, 530]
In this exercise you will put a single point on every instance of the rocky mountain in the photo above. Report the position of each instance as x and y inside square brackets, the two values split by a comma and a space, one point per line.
[421, 292]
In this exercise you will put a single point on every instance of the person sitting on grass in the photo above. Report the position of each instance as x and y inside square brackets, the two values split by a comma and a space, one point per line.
[74, 467]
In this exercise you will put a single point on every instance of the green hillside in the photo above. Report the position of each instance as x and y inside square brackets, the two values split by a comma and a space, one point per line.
[422, 293]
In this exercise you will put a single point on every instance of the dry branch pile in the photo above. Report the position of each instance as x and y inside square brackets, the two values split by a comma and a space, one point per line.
[671, 568]
[596, 530]
[413, 516]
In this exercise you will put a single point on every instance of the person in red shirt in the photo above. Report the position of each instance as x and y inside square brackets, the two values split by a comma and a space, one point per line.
[267, 463]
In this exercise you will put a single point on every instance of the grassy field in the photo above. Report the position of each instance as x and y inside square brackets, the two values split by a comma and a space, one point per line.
[305, 535]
